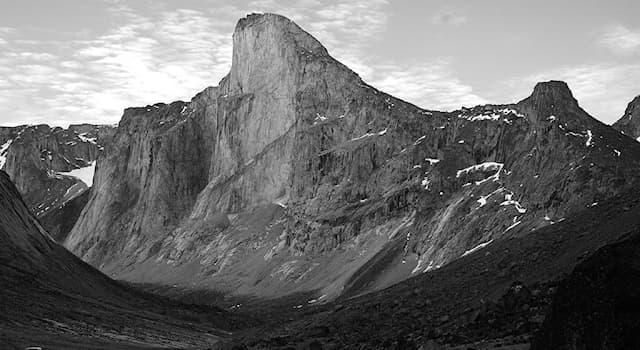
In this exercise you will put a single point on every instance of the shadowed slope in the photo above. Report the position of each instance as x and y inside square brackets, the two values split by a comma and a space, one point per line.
[49, 297]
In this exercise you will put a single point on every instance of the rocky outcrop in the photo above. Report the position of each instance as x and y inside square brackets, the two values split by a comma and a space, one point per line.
[295, 175]
[42, 161]
[629, 124]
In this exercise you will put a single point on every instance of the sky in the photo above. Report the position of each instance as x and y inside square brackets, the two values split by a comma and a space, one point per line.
[75, 61]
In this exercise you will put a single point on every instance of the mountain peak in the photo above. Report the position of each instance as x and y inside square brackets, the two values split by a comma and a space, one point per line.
[275, 29]
[551, 97]
[633, 108]
[629, 124]
[269, 47]
[553, 90]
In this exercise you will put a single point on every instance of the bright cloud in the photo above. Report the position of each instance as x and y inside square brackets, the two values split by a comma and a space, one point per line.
[429, 85]
[168, 54]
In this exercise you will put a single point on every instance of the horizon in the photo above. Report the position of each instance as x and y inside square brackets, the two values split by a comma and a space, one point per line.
[85, 62]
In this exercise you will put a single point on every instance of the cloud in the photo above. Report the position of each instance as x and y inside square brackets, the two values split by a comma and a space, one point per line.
[620, 39]
[428, 84]
[148, 58]
[165, 54]
[448, 17]
[603, 90]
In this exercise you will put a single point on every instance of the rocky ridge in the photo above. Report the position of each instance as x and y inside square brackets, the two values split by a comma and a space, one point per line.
[629, 123]
[294, 175]
[51, 166]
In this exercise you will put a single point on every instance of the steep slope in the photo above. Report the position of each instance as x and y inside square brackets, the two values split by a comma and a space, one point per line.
[50, 297]
[59, 222]
[629, 124]
[293, 175]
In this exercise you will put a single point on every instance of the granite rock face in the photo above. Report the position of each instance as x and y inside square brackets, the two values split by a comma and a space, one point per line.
[629, 124]
[295, 175]
[39, 159]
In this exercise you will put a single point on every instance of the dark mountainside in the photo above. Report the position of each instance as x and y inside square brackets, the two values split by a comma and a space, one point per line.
[598, 305]
[629, 124]
[38, 159]
[49, 297]
[295, 176]
[325, 213]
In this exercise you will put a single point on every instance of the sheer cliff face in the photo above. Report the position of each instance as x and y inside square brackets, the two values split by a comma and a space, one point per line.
[148, 179]
[293, 174]
[629, 124]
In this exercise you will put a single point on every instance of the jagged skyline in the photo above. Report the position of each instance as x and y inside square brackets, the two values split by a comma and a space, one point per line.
[80, 61]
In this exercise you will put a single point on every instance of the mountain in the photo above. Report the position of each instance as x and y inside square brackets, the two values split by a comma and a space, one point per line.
[51, 298]
[629, 124]
[52, 166]
[295, 176]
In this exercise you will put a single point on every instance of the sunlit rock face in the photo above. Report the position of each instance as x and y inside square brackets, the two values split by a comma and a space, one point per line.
[629, 124]
[295, 175]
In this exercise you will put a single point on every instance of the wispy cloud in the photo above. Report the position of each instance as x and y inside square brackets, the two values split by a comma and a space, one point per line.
[448, 17]
[160, 56]
[621, 39]
[165, 54]
[603, 90]
[428, 84]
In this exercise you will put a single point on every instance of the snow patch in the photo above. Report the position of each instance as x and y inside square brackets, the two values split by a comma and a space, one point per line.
[515, 223]
[319, 118]
[486, 166]
[3, 152]
[589, 138]
[476, 248]
[419, 140]
[380, 133]
[84, 174]
[83, 137]
[313, 301]
[509, 201]
[493, 115]
[432, 161]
